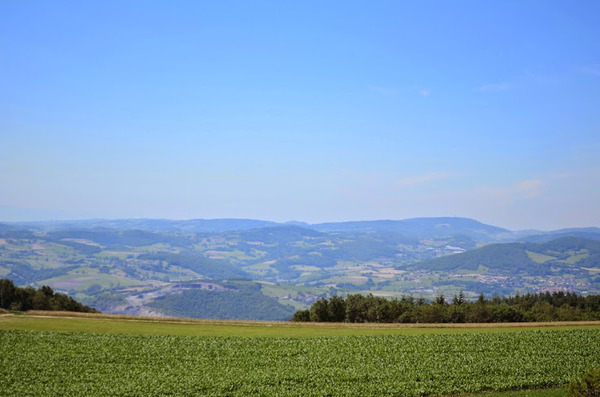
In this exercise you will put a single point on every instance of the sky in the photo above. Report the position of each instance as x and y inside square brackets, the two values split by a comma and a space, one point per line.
[315, 111]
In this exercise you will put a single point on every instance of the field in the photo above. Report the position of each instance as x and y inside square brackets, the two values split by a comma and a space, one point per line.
[104, 355]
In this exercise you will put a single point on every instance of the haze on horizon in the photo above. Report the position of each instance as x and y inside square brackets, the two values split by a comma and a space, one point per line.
[312, 111]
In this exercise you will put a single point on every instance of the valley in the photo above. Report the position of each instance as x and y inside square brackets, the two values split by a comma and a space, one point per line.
[266, 271]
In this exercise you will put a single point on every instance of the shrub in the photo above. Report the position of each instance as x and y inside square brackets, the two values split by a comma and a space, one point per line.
[587, 386]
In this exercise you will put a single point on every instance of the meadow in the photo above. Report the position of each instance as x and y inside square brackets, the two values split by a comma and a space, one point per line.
[102, 355]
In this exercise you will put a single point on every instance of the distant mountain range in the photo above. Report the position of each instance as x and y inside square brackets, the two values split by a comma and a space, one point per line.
[155, 266]
[152, 225]
[434, 226]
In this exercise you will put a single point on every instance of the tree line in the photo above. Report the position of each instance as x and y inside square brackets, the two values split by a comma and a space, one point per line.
[29, 298]
[545, 306]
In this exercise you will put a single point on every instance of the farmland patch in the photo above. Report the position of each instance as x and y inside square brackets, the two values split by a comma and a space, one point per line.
[48, 363]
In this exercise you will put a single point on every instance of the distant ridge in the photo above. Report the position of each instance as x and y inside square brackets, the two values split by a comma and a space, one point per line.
[438, 226]
[590, 233]
[424, 227]
[153, 225]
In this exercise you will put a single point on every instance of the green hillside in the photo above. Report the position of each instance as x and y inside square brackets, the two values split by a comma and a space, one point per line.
[240, 301]
[568, 254]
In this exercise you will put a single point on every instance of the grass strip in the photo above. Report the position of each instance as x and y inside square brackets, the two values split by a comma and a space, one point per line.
[115, 324]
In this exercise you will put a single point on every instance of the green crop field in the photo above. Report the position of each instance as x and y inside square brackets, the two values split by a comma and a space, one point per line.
[418, 361]
[553, 392]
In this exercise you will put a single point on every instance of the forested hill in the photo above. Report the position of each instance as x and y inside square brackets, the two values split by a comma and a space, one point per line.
[44, 298]
[240, 300]
[565, 254]
[423, 227]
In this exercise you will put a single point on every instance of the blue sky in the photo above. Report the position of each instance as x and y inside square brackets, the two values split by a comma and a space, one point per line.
[313, 111]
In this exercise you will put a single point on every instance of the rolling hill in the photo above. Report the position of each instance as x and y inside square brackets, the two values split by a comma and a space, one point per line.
[422, 227]
[567, 263]
[563, 254]
[131, 266]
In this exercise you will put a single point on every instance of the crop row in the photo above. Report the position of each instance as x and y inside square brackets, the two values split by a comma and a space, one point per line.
[46, 363]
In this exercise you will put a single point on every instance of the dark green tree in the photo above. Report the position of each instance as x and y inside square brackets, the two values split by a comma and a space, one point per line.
[7, 293]
[481, 299]
[301, 316]
[337, 309]
[354, 308]
[40, 300]
[460, 299]
[319, 311]
[440, 299]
